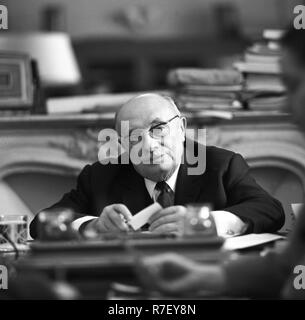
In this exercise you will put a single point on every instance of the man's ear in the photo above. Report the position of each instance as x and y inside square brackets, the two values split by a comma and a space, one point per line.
[297, 106]
[183, 126]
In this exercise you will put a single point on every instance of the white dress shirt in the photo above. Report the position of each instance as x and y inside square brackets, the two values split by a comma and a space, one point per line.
[151, 185]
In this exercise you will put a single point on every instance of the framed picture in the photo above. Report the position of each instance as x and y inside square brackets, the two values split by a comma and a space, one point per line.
[16, 81]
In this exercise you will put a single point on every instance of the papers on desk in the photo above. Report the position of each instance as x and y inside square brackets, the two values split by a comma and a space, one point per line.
[250, 240]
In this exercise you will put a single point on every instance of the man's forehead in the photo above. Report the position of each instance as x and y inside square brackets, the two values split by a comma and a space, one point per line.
[146, 113]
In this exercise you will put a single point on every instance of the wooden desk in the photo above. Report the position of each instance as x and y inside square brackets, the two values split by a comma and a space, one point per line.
[94, 268]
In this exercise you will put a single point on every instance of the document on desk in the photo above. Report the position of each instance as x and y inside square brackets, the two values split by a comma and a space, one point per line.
[250, 240]
[142, 217]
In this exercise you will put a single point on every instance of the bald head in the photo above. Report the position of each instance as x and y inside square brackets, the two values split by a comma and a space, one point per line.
[145, 107]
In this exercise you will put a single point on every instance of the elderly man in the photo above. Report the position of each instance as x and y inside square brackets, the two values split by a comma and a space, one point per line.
[269, 276]
[110, 194]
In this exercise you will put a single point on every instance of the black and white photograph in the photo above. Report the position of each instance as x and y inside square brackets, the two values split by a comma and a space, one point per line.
[152, 153]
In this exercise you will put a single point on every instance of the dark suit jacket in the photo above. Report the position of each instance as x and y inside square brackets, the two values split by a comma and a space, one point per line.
[226, 184]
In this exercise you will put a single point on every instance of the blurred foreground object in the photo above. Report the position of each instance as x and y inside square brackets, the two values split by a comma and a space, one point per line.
[199, 221]
[56, 225]
[13, 232]
[175, 275]
[38, 287]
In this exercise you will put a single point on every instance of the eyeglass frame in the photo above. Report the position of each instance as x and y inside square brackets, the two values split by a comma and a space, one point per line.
[150, 130]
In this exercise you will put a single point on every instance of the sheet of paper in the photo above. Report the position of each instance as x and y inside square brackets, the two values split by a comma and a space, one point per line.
[142, 217]
[250, 240]
[297, 208]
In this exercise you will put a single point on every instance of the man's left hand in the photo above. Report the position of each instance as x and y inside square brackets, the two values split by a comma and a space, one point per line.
[168, 220]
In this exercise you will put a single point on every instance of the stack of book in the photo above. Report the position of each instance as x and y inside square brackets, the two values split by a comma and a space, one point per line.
[215, 91]
[263, 87]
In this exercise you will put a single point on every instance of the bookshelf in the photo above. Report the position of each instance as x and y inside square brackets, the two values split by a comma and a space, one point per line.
[142, 64]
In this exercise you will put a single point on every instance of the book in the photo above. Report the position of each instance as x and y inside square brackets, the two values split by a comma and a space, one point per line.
[201, 76]
[203, 89]
[268, 103]
[264, 68]
[264, 83]
[205, 99]
[264, 49]
[207, 95]
[258, 58]
[212, 107]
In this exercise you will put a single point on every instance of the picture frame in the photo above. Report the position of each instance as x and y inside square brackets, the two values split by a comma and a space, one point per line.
[16, 81]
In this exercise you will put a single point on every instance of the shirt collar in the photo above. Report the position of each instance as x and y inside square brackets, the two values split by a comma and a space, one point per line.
[150, 185]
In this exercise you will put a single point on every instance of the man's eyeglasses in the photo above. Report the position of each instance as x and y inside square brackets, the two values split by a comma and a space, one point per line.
[156, 131]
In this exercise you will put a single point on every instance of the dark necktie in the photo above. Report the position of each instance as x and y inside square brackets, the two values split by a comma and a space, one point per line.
[166, 195]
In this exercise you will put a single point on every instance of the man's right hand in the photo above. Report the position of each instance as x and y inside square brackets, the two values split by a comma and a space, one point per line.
[171, 273]
[113, 218]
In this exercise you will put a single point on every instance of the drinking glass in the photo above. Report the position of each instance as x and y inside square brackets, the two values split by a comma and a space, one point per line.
[198, 221]
[13, 231]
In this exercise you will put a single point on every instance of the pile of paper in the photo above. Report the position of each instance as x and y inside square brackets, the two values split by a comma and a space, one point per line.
[264, 89]
[198, 89]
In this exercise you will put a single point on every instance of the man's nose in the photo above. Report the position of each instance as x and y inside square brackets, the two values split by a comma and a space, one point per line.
[148, 143]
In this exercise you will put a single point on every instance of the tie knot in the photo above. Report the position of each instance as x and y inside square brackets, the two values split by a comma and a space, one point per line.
[162, 186]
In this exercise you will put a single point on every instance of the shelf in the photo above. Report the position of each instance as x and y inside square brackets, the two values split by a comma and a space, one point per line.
[70, 121]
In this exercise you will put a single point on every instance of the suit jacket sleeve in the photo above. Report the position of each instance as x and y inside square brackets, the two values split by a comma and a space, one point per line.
[77, 200]
[249, 201]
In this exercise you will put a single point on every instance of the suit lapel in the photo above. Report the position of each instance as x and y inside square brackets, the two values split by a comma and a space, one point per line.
[188, 188]
[192, 188]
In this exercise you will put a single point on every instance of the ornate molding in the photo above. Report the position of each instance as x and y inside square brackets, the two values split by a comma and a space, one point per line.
[81, 145]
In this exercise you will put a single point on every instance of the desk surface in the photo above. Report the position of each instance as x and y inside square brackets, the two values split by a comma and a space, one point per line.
[116, 255]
